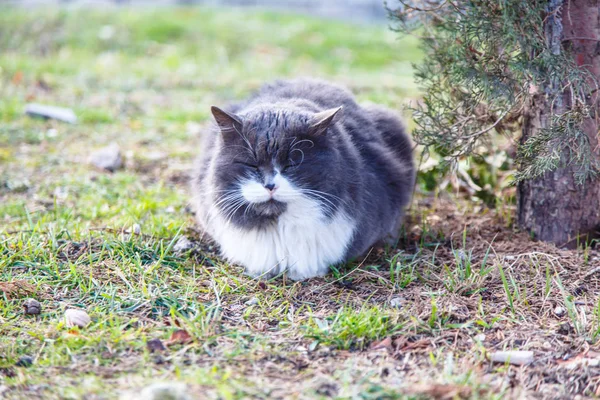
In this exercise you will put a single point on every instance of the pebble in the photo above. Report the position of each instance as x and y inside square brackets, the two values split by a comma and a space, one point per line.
[107, 158]
[155, 345]
[512, 357]
[24, 361]
[547, 346]
[480, 337]
[165, 391]
[51, 133]
[18, 185]
[76, 317]
[136, 229]
[51, 112]
[32, 307]
[559, 311]
[397, 302]
[252, 301]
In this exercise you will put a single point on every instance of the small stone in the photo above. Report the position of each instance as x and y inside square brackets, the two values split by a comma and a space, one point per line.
[106, 32]
[559, 311]
[512, 357]
[165, 391]
[32, 307]
[18, 185]
[252, 301]
[565, 329]
[51, 112]
[158, 359]
[61, 193]
[155, 345]
[155, 155]
[170, 210]
[51, 133]
[24, 361]
[182, 245]
[107, 158]
[397, 302]
[547, 346]
[480, 337]
[136, 229]
[76, 317]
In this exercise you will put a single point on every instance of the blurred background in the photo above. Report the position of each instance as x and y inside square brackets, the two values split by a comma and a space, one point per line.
[354, 10]
[134, 81]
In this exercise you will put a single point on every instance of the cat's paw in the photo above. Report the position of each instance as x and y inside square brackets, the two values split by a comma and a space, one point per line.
[300, 273]
[261, 273]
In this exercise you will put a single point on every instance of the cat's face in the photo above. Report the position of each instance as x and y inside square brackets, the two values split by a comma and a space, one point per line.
[272, 162]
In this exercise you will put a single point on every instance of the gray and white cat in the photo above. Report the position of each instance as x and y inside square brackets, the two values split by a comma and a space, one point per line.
[300, 177]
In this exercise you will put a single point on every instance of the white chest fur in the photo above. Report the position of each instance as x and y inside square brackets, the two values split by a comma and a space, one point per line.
[302, 242]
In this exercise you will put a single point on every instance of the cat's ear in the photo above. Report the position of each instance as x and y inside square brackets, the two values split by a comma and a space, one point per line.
[228, 122]
[324, 120]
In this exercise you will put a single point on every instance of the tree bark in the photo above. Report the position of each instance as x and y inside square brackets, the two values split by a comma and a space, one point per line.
[554, 207]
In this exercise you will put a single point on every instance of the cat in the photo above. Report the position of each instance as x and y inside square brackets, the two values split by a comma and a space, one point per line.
[300, 177]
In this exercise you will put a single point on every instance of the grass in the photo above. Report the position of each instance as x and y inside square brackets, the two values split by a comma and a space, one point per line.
[412, 321]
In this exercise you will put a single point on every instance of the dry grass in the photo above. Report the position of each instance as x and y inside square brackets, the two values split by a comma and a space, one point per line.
[414, 321]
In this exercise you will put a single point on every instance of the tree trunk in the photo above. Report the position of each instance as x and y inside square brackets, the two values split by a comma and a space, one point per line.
[554, 208]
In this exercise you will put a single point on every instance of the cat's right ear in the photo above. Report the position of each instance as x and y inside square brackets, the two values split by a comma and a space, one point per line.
[228, 122]
[324, 120]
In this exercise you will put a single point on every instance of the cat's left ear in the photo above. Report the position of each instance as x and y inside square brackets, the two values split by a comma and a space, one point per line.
[227, 121]
[324, 120]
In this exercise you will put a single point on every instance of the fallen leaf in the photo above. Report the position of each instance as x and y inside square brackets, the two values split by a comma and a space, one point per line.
[382, 344]
[17, 288]
[17, 77]
[587, 358]
[179, 337]
[441, 391]
[401, 344]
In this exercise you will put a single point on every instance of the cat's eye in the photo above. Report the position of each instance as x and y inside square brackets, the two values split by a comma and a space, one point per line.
[248, 165]
[287, 167]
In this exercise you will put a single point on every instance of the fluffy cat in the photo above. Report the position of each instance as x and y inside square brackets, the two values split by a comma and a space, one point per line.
[300, 177]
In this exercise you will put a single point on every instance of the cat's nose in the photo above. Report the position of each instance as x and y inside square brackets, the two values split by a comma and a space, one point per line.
[270, 187]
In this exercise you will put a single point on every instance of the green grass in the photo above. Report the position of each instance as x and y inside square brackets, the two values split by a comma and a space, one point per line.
[354, 329]
[142, 79]
[145, 79]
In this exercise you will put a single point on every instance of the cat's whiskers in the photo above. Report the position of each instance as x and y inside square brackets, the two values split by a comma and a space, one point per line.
[245, 139]
[226, 198]
[232, 197]
[301, 160]
[244, 148]
[225, 212]
[232, 213]
[250, 205]
[294, 143]
[323, 196]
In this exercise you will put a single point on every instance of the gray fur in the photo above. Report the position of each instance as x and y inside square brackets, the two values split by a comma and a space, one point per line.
[362, 159]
